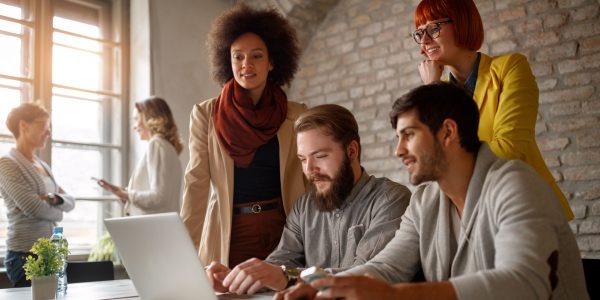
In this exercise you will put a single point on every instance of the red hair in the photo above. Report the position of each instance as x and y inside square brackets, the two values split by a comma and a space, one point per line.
[468, 27]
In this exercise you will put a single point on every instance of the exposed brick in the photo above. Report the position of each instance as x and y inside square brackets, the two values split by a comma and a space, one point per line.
[357, 92]
[582, 173]
[335, 28]
[551, 161]
[579, 211]
[539, 6]
[385, 99]
[386, 73]
[359, 67]
[386, 135]
[574, 227]
[577, 79]
[547, 84]
[570, 124]
[541, 39]
[551, 144]
[576, 93]
[372, 89]
[555, 20]
[570, 3]
[348, 81]
[375, 165]
[589, 226]
[579, 30]
[563, 109]
[512, 13]
[527, 25]
[588, 242]
[541, 69]
[350, 58]
[590, 194]
[371, 29]
[365, 102]
[540, 127]
[386, 36]
[590, 107]
[331, 87]
[589, 45]
[366, 42]
[581, 158]
[378, 63]
[360, 20]
[373, 52]
[564, 50]
[327, 66]
[595, 211]
[498, 33]
[350, 35]
[398, 58]
[584, 13]
[588, 140]
[503, 47]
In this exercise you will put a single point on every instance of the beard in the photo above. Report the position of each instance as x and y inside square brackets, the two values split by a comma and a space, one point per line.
[340, 187]
[431, 165]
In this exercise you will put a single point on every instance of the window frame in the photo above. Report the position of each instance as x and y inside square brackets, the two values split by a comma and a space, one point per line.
[37, 49]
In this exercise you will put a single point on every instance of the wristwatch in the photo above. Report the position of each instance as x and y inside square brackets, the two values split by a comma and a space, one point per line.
[54, 199]
[291, 273]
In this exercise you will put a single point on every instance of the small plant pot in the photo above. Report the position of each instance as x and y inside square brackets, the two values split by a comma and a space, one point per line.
[44, 288]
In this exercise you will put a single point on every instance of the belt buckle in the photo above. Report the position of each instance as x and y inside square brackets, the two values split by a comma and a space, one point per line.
[256, 208]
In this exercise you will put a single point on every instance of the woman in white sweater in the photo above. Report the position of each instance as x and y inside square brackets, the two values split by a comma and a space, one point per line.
[155, 184]
[34, 201]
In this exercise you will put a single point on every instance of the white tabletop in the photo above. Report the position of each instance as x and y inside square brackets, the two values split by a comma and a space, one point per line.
[101, 290]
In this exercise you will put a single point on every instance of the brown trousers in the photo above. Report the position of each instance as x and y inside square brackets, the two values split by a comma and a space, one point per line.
[255, 234]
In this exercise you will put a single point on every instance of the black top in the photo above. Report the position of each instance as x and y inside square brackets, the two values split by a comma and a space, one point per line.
[260, 180]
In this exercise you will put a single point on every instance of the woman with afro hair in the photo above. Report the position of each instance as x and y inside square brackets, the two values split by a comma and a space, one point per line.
[243, 175]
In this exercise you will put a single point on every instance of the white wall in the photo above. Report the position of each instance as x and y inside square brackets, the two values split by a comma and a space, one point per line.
[169, 58]
[180, 62]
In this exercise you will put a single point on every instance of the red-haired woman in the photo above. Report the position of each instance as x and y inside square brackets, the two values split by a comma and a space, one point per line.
[450, 33]
[244, 175]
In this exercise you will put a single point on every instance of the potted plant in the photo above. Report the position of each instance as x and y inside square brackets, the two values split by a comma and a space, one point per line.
[42, 269]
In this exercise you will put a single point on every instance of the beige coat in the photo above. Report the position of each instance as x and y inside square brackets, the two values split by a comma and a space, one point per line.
[208, 182]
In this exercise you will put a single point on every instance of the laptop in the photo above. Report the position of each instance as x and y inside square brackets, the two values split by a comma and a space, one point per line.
[161, 259]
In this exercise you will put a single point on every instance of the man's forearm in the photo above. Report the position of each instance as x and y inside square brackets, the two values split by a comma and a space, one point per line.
[442, 290]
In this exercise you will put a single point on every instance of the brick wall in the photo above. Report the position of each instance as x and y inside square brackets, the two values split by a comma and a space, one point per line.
[362, 57]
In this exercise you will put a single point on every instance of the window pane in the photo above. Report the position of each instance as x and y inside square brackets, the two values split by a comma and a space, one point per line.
[10, 51]
[76, 27]
[77, 42]
[11, 9]
[73, 168]
[9, 99]
[76, 68]
[81, 224]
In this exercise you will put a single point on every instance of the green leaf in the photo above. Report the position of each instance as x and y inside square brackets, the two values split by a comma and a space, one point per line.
[49, 258]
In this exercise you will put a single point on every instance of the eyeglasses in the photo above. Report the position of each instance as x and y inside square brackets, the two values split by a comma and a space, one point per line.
[433, 30]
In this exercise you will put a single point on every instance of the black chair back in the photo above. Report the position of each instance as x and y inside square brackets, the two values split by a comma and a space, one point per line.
[591, 269]
[85, 271]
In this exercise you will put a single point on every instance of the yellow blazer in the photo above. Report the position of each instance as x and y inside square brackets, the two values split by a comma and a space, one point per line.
[507, 96]
[208, 182]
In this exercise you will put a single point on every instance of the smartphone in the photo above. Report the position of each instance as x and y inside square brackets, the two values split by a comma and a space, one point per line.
[312, 274]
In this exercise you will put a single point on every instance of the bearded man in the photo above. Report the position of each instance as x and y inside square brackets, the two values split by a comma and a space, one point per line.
[344, 220]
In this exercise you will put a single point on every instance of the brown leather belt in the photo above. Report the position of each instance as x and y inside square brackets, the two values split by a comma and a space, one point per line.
[255, 208]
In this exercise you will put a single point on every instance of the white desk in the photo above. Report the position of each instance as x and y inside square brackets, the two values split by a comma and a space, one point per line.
[102, 290]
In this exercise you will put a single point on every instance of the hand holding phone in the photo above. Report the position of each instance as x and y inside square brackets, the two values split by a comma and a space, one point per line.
[313, 273]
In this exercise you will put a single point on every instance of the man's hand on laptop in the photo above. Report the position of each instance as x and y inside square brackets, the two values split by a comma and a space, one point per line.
[254, 274]
[216, 273]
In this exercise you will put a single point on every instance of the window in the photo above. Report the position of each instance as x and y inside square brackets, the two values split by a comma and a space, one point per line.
[69, 54]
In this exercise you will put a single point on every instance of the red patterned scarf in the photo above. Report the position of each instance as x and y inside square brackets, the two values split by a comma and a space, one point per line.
[242, 127]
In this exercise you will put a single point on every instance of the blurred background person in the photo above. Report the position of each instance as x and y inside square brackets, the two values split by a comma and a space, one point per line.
[33, 198]
[450, 33]
[243, 175]
[155, 186]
